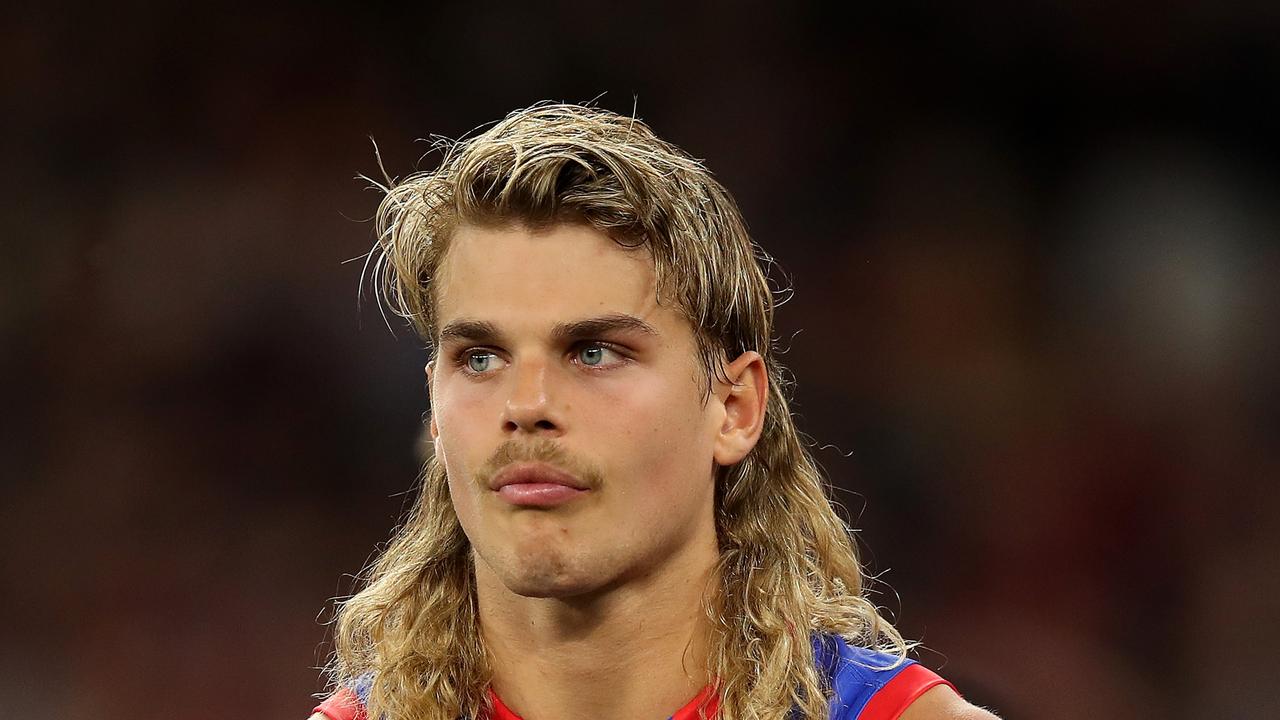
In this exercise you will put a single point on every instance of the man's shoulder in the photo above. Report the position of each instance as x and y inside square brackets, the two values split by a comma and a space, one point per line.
[867, 682]
[850, 667]
[835, 652]
[943, 703]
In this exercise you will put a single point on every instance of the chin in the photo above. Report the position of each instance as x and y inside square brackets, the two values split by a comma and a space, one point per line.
[546, 575]
[545, 590]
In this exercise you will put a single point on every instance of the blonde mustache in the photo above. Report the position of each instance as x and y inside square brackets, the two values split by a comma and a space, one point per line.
[539, 450]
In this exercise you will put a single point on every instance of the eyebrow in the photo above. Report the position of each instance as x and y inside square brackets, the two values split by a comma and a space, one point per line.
[469, 331]
[603, 325]
[480, 331]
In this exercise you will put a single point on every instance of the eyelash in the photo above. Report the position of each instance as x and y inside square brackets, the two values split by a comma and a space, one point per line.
[461, 359]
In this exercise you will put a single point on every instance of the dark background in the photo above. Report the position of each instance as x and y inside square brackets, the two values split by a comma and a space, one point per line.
[1035, 323]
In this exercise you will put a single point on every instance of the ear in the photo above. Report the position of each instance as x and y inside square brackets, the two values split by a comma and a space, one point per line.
[435, 431]
[744, 399]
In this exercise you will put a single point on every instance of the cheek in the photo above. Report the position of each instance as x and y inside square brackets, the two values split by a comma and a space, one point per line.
[663, 408]
[661, 431]
[451, 445]
[459, 414]
[463, 493]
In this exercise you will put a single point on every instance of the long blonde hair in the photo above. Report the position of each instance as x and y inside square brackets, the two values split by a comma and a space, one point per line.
[788, 566]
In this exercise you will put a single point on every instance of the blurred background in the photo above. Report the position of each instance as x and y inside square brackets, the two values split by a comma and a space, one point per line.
[1035, 324]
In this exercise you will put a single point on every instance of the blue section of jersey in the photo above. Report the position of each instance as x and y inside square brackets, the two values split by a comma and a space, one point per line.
[855, 673]
[361, 687]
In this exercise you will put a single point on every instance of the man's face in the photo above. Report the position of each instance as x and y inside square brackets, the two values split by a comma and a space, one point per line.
[568, 410]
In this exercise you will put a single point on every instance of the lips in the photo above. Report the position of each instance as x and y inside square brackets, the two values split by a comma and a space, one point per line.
[536, 485]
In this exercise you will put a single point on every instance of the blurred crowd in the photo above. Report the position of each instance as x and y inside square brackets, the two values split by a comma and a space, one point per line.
[1034, 324]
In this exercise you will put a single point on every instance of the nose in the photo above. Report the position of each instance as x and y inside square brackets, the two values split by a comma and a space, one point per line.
[530, 404]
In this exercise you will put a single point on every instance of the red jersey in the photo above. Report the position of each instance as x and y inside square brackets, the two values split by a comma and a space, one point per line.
[863, 688]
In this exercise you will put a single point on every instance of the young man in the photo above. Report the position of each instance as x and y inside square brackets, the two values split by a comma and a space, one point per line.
[619, 519]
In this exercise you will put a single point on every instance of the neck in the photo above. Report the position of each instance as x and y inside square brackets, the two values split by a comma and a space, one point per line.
[634, 650]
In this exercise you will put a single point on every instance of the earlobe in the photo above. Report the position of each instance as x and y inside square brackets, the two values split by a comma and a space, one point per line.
[744, 399]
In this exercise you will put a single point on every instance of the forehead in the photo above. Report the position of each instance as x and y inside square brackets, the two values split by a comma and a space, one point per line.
[517, 276]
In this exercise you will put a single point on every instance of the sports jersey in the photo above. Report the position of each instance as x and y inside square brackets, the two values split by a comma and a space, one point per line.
[861, 689]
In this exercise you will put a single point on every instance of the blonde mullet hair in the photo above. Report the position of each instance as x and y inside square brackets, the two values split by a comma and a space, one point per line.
[788, 565]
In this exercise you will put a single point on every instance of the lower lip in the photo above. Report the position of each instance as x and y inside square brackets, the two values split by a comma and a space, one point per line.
[538, 494]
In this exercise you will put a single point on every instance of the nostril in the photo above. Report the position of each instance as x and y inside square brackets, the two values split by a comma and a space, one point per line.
[545, 425]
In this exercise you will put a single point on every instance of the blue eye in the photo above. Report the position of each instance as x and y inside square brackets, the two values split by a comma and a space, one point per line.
[597, 355]
[479, 362]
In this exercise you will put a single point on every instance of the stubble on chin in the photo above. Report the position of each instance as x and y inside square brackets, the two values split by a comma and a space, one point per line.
[538, 572]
